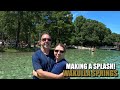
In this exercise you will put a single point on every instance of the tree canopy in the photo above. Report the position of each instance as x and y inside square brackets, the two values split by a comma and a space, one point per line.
[27, 26]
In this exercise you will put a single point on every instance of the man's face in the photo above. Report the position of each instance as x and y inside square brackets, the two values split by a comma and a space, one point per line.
[45, 41]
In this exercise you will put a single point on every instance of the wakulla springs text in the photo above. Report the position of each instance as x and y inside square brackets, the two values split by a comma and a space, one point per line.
[91, 70]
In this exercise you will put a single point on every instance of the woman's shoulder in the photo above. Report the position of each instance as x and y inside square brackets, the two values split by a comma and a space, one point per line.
[63, 61]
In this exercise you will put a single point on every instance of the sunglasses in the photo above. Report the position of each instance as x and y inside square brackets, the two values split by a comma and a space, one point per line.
[58, 51]
[44, 39]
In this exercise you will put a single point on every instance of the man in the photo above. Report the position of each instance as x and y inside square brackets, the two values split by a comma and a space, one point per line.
[43, 59]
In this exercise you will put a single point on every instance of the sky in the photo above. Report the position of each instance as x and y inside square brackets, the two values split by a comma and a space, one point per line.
[109, 18]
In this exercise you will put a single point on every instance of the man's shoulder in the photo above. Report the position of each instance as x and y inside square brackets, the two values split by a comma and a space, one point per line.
[38, 52]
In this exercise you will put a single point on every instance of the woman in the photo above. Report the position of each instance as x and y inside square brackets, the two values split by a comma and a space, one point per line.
[60, 65]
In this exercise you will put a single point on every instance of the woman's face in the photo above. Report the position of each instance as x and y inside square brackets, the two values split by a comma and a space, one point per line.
[59, 52]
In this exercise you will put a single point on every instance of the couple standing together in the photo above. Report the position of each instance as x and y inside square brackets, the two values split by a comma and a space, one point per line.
[49, 64]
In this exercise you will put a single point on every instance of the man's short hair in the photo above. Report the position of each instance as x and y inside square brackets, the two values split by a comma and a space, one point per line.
[43, 34]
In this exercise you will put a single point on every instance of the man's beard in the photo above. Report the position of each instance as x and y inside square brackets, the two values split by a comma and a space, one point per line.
[46, 45]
